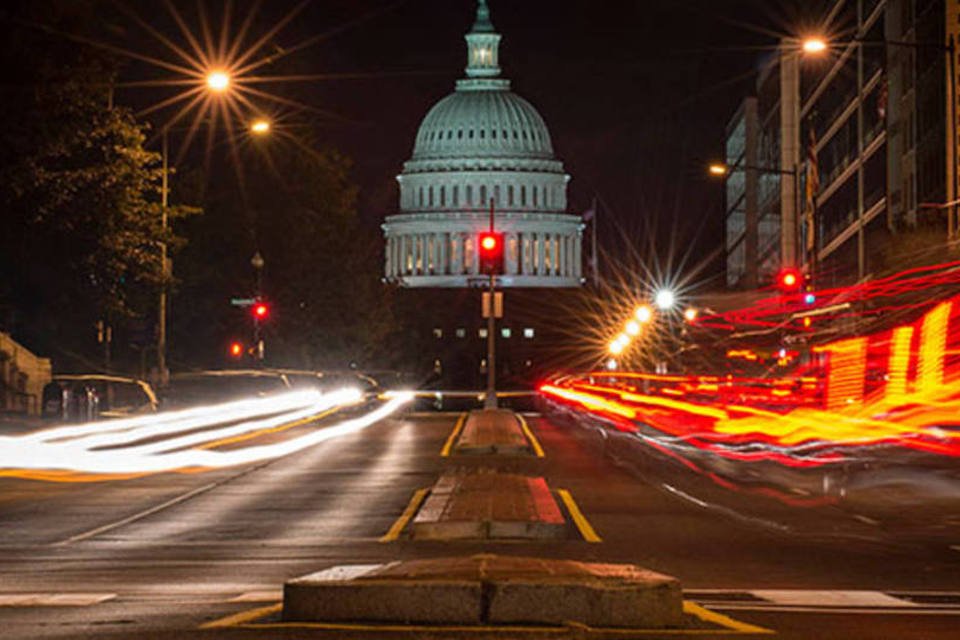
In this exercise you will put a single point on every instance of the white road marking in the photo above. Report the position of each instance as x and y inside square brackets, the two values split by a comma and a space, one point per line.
[137, 516]
[832, 598]
[343, 572]
[267, 595]
[53, 599]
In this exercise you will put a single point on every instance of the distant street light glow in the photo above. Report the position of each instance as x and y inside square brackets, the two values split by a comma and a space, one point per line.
[717, 169]
[218, 81]
[665, 299]
[633, 328]
[690, 314]
[643, 314]
[260, 127]
[615, 348]
[814, 45]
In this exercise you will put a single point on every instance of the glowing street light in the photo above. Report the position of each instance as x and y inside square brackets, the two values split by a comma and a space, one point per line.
[218, 81]
[643, 314]
[690, 314]
[814, 45]
[260, 127]
[665, 299]
[616, 348]
[718, 169]
[633, 328]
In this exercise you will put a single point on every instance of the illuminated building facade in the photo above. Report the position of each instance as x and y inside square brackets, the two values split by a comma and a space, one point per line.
[870, 116]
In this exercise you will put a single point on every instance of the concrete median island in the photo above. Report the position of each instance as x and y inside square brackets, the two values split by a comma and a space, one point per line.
[489, 505]
[487, 589]
[492, 431]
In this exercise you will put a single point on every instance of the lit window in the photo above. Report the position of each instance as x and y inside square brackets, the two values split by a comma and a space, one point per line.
[482, 333]
[528, 332]
[461, 333]
[438, 333]
[505, 332]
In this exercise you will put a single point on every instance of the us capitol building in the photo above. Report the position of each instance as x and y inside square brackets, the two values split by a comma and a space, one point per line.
[483, 144]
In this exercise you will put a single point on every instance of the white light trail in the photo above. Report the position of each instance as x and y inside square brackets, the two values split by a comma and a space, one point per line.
[84, 448]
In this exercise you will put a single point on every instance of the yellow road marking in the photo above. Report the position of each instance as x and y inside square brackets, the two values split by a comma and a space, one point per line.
[404, 518]
[586, 529]
[256, 434]
[693, 609]
[242, 617]
[453, 435]
[729, 626]
[537, 449]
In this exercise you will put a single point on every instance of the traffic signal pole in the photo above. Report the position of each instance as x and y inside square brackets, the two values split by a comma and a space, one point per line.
[490, 402]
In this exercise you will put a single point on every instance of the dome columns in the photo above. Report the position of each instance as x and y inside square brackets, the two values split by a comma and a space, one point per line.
[541, 250]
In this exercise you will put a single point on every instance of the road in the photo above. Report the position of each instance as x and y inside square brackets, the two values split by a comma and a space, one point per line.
[162, 555]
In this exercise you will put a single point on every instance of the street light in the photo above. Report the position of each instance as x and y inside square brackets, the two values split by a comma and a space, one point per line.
[814, 45]
[665, 299]
[633, 328]
[260, 127]
[218, 81]
[643, 314]
[718, 169]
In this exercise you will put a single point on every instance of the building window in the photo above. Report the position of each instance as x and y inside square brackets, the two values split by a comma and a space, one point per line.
[461, 333]
[510, 195]
[483, 195]
[438, 333]
[528, 333]
[469, 194]
[493, 133]
[523, 196]
[456, 195]
[505, 332]
[443, 196]
[481, 333]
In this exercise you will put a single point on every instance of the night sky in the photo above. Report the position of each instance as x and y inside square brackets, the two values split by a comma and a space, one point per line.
[636, 95]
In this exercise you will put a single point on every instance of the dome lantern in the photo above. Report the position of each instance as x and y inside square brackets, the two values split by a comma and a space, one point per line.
[483, 45]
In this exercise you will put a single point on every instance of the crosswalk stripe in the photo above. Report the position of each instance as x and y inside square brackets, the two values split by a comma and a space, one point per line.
[53, 599]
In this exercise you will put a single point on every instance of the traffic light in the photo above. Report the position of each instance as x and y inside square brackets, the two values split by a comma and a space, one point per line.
[236, 349]
[490, 250]
[790, 280]
[261, 311]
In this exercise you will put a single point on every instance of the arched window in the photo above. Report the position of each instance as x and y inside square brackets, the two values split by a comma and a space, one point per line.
[456, 195]
[430, 203]
[420, 199]
[469, 194]
[523, 196]
[496, 194]
[544, 194]
[483, 195]
[510, 195]
[470, 134]
[493, 133]
[515, 136]
[443, 196]
[483, 134]
[534, 194]
[505, 136]
[460, 134]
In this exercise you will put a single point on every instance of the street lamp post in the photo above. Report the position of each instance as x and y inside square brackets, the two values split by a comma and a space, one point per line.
[162, 372]
[721, 170]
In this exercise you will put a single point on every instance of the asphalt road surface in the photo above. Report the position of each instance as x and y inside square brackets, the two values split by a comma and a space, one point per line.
[163, 555]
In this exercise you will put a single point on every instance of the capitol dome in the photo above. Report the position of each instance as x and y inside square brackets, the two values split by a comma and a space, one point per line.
[483, 148]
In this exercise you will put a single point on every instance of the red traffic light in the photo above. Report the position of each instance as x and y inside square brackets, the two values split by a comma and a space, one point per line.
[490, 246]
[236, 349]
[790, 280]
[261, 311]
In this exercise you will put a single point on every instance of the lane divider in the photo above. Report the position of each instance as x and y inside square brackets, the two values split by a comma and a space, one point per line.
[695, 610]
[448, 445]
[583, 525]
[418, 496]
[527, 431]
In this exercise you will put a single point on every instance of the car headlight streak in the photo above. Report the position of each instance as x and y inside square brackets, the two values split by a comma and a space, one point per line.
[110, 447]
